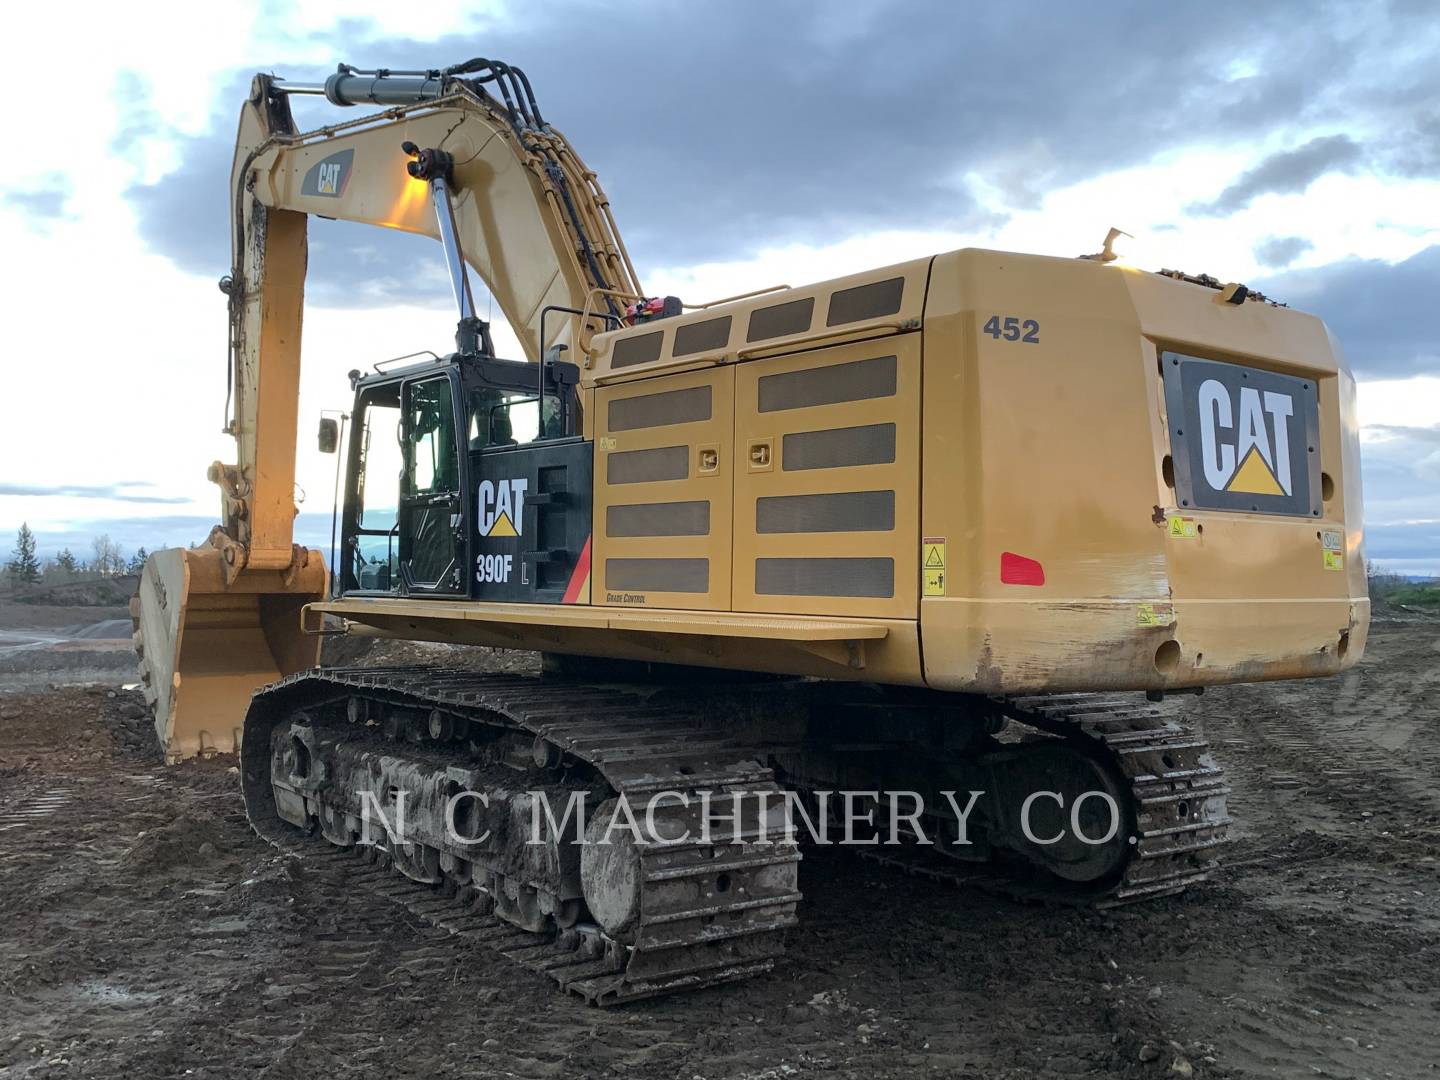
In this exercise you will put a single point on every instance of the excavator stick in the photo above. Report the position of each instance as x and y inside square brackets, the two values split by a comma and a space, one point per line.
[205, 645]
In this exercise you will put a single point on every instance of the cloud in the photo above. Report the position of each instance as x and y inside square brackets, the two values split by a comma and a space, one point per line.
[1428, 467]
[1285, 173]
[757, 125]
[114, 492]
[1383, 314]
[1417, 150]
[1414, 546]
[1278, 251]
[1401, 465]
[1406, 431]
[42, 205]
[185, 215]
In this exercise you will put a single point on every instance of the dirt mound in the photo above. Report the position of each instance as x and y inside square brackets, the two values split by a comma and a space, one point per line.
[105, 630]
[111, 590]
[132, 724]
[37, 616]
[184, 844]
[145, 931]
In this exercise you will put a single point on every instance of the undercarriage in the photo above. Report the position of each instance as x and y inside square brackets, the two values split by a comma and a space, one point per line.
[636, 840]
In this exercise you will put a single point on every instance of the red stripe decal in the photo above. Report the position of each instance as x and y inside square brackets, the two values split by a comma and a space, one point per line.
[577, 579]
[1018, 570]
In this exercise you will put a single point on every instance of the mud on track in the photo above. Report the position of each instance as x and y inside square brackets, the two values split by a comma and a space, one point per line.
[145, 932]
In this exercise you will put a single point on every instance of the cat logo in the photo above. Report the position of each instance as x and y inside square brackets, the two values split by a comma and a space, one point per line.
[502, 507]
[329, 177]
[1262, 451]
[1242, 438]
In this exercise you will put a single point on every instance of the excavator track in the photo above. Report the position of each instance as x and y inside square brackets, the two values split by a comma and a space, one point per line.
[1177, 816]
[709, 913]
[712, 912]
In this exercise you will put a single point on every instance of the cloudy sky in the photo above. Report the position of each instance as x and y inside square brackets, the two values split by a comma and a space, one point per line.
[1293, 146]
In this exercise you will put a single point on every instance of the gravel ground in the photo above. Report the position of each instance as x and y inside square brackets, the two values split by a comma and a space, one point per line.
[145, 932]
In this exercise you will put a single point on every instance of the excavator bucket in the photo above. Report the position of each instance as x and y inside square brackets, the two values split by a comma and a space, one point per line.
[205, 646]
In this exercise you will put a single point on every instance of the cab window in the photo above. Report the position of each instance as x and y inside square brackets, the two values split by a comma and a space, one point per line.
[377, 477]
[500, 418]
[430, 426]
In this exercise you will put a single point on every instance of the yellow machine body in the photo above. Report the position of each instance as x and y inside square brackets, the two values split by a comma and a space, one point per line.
[956, 472]
[858, 523]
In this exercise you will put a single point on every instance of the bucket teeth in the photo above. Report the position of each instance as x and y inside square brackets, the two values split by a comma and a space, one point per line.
[204, 644]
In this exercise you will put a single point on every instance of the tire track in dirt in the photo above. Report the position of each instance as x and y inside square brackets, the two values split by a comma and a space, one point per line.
[1331, 890]
[128, 949]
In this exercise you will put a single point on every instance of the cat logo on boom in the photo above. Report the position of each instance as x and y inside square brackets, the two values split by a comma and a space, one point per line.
[329, 177]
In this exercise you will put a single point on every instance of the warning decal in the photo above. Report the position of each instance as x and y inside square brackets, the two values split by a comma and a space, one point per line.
[932, 565]
[1334, 560]
[1154, 615]
[1183, 528]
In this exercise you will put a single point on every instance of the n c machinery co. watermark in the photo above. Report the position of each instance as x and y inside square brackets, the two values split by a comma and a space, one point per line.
[838, 818]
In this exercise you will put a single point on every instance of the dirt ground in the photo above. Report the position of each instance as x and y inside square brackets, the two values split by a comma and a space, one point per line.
[145, 932]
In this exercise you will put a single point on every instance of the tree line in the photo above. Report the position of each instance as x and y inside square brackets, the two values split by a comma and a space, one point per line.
[107, 559]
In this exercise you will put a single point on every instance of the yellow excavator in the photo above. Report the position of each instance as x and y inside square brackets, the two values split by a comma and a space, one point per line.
[953, 525]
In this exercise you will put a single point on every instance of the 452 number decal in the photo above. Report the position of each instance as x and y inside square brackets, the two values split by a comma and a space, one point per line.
[1013, 328]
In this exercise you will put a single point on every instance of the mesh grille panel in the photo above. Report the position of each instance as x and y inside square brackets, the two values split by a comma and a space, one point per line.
[659, 519]
[647, 466]
[781, 319]
[828, 385]
[865, 302]
[872, 444]
[660, 410]
[701, 336]
[845, 511]
[644, 349]
[825, 577]
[660, 575]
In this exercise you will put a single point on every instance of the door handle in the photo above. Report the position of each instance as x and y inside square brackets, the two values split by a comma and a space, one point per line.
[761, 455]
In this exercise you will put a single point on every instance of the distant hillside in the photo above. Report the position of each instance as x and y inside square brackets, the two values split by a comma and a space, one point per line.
[1393, 592]
[96, 592]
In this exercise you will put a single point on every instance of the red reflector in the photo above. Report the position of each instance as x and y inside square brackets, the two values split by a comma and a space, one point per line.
[1018, 570]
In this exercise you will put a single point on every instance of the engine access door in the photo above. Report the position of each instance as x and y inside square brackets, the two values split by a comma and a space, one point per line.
[663, 496]
[827, 480]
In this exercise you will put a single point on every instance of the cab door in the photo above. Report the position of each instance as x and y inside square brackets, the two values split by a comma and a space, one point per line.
[431, 532]
[663, 491]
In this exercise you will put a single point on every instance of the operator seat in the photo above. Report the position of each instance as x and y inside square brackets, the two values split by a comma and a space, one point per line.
[501, 431]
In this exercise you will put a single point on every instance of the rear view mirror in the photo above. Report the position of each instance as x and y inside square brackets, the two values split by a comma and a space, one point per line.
[329, 435]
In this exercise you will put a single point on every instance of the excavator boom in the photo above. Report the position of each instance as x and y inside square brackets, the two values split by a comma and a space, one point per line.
[502, 190]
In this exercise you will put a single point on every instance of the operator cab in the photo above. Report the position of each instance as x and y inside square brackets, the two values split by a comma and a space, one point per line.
[466, 478]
